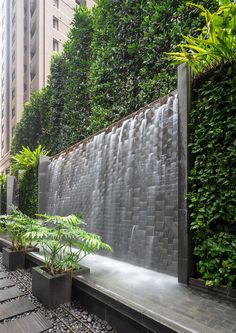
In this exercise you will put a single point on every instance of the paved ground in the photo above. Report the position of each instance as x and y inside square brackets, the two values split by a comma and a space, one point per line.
[162, 297]
[21, 312]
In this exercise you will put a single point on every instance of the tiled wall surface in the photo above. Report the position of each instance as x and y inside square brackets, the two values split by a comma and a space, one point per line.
[125, 182]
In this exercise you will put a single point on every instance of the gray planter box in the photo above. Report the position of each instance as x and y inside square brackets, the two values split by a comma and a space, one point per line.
[13, 260]
[52, 290]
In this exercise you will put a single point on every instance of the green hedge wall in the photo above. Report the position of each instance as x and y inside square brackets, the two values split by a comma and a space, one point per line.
[129, 68]
[33, 128]
[3, 183]
[212, 196]
[112, 64]
[28, 192]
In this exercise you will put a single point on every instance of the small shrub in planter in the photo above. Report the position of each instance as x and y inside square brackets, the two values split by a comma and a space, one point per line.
[16, 226]
[64, 243]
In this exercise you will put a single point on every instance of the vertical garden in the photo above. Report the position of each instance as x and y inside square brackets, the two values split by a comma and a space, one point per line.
[114, 62]
[212, 144]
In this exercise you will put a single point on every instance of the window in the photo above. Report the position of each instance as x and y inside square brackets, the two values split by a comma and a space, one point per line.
[2, 97]
[13, 3]
[2, 144]
[13, 37]
[55, 23]
[13, 93]
[32, 53]
[2, 128]
[55, 45]
[25, 87]
[13, 75]
[13, 56]
[2, 113]
[13, 19]
[56, 3]
[32, 76]
[13, 112]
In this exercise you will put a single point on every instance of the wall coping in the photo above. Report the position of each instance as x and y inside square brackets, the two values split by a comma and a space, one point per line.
[162, 100]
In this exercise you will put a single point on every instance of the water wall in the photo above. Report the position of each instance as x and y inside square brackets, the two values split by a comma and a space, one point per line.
[124, 181]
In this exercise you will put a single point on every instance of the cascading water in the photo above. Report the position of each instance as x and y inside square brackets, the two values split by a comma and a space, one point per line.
[125, 183]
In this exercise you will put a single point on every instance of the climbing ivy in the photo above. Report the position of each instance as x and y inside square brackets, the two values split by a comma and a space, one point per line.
[212, 196]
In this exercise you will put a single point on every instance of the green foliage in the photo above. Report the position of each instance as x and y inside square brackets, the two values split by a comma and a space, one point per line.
[212, 196]
[33, 129]
[58, 235]
[58, 115]
[216, 43]
[112, 64]
[3, 183]
[25, 164]
[17, 225]
[56, 87]
[129, 68]
[217, 263]
[77, 56]
[27, 159]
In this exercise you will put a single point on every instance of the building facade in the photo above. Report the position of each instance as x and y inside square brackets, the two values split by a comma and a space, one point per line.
[31, 30]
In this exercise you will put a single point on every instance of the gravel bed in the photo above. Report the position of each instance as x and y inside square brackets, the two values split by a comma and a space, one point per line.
[63, 317]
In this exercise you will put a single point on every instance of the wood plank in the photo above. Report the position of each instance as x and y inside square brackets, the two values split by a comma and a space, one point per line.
[16, 307]
[33, 323]
[10, 293]
[6, 283]
[3, 275]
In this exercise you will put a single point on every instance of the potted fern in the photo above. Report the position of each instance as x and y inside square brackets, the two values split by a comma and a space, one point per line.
[64, 243]
[16, 226]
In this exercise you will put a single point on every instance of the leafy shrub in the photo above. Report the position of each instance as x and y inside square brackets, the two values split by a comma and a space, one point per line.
[57, 235]
[26, 165]
[217, 41]
[212, 196]
[17, 225]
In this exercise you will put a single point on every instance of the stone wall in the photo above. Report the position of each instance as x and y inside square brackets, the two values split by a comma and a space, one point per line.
[125, 182]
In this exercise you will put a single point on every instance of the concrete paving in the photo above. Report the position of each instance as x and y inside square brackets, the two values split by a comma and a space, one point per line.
[162, 297]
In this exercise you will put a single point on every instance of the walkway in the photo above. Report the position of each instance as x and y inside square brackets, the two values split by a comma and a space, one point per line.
[21, 312]
[17, 312]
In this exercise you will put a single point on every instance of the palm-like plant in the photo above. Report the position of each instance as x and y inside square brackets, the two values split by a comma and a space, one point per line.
[64, 242]
[216, 43]
[27, 159]
[17, 225]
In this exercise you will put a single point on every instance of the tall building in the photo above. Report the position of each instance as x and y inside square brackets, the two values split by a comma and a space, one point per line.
[31, 30]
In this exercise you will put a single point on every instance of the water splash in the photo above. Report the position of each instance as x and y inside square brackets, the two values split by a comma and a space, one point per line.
[125, 183]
